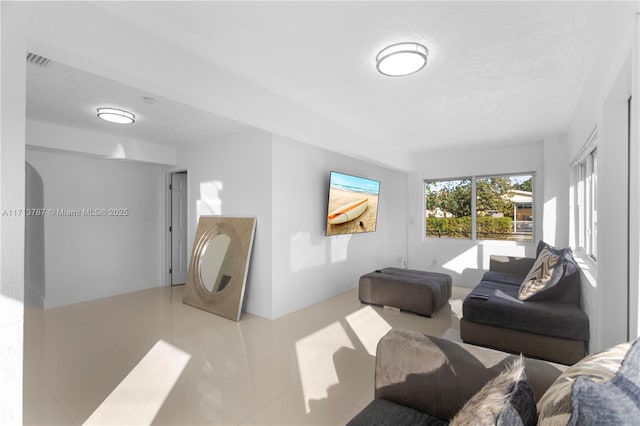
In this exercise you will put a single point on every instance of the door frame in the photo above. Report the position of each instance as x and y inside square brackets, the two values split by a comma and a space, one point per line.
[166, 182]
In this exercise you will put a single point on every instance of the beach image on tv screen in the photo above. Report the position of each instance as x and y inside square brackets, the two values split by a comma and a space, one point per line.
[353, 204]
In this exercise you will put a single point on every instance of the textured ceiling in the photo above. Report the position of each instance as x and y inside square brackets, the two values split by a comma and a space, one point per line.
[60, 94]
[497, 71]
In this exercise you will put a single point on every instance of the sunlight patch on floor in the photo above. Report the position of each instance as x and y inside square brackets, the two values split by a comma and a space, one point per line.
[456, 307]
[139, 397]
[369, 326]
[315, 361]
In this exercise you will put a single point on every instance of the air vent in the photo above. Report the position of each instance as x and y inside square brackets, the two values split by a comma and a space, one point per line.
[34, 59]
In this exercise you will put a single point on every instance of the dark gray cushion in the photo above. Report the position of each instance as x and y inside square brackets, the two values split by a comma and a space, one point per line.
[415, 291]
[503, 277]
[614, 402]
[417, 273]
[567, 290]
[503, 309]
[444, 281]
[522, 407]
[382, 412]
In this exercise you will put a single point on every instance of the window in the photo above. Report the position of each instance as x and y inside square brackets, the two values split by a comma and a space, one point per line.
[587, 202]
[504, 208]
[448, 208]
[484, 208]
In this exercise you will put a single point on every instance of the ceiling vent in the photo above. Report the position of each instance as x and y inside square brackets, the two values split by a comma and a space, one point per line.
[34, 59]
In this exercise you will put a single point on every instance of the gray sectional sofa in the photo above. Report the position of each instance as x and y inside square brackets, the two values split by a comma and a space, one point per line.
[554, 329]
[429, 381]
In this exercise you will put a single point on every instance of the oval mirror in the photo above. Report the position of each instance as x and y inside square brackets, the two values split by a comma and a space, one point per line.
[217, 263]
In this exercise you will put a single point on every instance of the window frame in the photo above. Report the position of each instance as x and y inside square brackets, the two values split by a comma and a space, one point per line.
[424, 204]
[474, 212]
[587, 199]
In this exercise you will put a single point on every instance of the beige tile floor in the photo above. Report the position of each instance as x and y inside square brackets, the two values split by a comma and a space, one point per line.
[146, 358]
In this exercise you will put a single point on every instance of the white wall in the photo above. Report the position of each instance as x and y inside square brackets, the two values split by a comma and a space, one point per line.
[603, 104]
[613, 232]
[467, 260]
[12, 181]
[307, 265]
[52, 31]
[284, 184]
[555, 192]
[634, 190]
[613, 53]
[232, 177]
[62, 138]
[34, 270]
[88, 257]
[70, 142]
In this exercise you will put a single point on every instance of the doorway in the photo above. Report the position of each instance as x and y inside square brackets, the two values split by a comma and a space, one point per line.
[178, 190]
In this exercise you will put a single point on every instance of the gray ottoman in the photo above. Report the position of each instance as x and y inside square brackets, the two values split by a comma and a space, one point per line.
[410, 290]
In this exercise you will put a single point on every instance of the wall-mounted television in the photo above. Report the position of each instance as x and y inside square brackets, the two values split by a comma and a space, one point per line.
[353, 204]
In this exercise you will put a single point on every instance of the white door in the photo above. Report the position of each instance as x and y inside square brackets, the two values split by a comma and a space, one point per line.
[178, 228]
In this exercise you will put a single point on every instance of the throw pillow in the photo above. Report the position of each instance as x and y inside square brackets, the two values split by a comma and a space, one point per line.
[505, 400]
[545, 273]
[540, 246]
[566, 253]
[551, 268]
[615, 402]
[555, 407]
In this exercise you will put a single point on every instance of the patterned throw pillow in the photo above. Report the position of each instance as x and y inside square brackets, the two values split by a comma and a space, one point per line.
[545, 273]
[551, 267]
[505, 400]
[540, 246]
[555, 406]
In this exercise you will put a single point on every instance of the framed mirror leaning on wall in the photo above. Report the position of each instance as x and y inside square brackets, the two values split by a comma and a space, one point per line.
[219, 263]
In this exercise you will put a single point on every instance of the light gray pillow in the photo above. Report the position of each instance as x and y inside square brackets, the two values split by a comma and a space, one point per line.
[615, 402]
[555, 406]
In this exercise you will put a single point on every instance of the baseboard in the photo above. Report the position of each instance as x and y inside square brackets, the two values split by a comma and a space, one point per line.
[33, 297]
[91, 293]
[257, 308]
[305, 299]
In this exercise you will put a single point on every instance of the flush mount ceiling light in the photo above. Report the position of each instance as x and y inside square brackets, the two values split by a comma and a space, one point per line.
[401, 59]
[114, 115]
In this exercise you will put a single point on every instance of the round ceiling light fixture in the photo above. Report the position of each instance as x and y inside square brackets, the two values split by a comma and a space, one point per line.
[401, 59]
[114, 115]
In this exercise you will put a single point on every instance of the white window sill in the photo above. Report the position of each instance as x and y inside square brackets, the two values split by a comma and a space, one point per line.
[588, 267]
